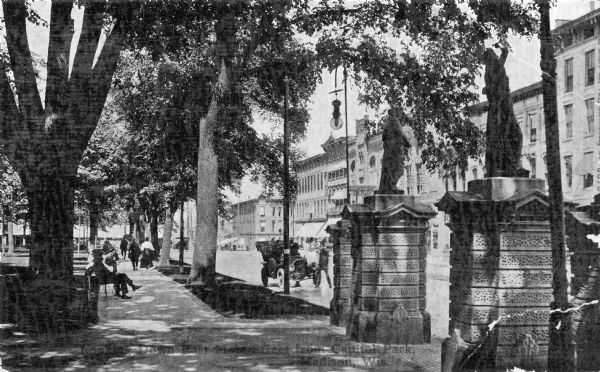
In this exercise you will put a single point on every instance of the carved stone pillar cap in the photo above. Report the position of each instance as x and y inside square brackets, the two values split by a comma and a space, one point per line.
[382, 205]
[501, 188]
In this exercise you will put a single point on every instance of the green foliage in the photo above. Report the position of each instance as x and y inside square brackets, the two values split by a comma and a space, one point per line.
[421, 56]
[262, 54]
[12, 194]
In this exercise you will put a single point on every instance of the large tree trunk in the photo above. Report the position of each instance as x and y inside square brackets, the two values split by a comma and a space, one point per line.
[204, 257]
[52, 218]
[561, 355]
[165, 253]
[44, 143]
[205, 251]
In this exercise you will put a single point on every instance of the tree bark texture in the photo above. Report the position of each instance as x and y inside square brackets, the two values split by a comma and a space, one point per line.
[154, 231]
[165, 252]
[205, 251]
[11, 238]
[45, 143]
[561, 355]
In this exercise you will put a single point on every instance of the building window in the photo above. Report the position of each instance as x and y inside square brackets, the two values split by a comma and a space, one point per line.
[361, 180]
[569, 171]
[273, 211]
[262, 227]
[434, 238]
[262, 211]
[532, 167]
[408, 180]
[372, 161]
[273, 226]
[590, 67]
[532, 127]
[279, 211]
[589, 109]
[569, 75]
[420, 179]
[569, 120]
[475, 175]
[353, 165]
[588, 32]
[588, 178]
[567, 40]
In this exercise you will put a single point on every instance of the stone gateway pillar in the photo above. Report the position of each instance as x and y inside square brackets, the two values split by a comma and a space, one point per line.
[585, 283]
[388, 303]
[342, 272]
[500, 275]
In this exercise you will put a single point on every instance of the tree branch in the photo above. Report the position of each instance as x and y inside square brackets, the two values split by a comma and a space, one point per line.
[92, 87]
[9, 116]
[59, 47]
[15, 15]
[93, 21]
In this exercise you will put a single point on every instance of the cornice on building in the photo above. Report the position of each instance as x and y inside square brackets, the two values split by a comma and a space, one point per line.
[585, 20]
[516, 95]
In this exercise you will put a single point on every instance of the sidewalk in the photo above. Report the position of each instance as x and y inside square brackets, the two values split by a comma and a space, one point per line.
[164, 327]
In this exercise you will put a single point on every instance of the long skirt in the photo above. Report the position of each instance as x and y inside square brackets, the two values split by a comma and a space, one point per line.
[146, 260]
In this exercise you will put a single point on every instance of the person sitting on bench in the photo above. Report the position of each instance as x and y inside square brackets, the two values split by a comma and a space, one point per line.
[106, 274]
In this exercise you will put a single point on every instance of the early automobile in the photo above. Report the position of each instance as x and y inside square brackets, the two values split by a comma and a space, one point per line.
[272, 253]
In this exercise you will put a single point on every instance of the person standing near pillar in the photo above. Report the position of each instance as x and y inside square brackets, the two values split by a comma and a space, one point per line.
[323, 265]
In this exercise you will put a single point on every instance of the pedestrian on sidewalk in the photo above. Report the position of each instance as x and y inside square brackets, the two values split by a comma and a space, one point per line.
[147, 254]
[123, 246]
[323, 265]
[134, 253]
[108, 274]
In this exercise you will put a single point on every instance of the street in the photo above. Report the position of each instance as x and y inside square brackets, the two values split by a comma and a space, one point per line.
[246, 265]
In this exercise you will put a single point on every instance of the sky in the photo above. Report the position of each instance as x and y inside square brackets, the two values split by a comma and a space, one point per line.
[522, 67]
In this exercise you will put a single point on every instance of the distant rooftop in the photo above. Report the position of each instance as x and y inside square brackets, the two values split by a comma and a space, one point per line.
[563, 25]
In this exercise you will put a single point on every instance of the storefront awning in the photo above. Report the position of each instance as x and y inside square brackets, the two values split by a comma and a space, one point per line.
[339, 195]
[309, 230]
[323, 233]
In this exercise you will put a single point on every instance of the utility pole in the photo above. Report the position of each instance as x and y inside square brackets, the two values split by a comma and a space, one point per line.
[181, 240]
[561, 354]
[286, 193]
[347, 152]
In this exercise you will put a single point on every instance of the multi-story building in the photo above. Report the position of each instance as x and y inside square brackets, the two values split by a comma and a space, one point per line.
[254, 220]
[321, 190]
[577, 90]
[578, 130]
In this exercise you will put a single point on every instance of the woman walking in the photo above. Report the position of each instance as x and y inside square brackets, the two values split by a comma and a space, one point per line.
[134, 253]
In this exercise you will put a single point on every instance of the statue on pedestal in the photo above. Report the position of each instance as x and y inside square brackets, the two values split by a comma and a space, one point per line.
[503, 135]
[395, 151]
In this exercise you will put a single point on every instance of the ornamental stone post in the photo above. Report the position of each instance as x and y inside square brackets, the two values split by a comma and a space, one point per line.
[388, 303]
[342, 272]
[585, 282]
[500, 275]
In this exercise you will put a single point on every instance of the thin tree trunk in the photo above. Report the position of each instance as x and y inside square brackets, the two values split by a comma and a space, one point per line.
[165, 256]
[154, 231]
[11, 239]
[2, 236]
[561, 355]
[94, 223]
